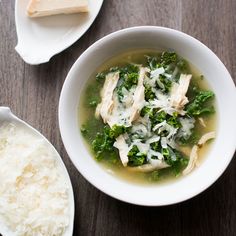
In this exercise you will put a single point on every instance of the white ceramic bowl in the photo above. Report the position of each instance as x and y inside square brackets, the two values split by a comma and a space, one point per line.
[199, 55]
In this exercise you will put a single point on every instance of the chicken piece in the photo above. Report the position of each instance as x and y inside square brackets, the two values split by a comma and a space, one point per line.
[139, 99]
[202, 122]
[178, 99]
[205, 138]
[123, 148]
[105, 107]
[192, 160]
[194, 152]
[119, 115]
[155, 165]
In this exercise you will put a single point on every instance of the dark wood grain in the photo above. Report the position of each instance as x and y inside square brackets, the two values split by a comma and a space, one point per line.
[33, 92]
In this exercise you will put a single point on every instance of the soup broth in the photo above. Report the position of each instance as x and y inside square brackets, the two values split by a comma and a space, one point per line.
[91, 126]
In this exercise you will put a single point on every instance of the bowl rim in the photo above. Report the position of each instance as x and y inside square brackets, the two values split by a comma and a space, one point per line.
[69, 76]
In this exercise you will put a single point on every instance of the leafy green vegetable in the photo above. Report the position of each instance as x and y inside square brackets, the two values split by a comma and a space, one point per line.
[152, 62]
[168, 58]
[130, 68]
[100, 76]
[128, 78]
[149, 94]
[175, 159]
[179, 164]
[117, 130]
[135, 157]
[146, 110]
[172, 157]
[173, 121]
[166, 153]
[183, 65]
[103, 142]
[197, 106]
[156, 146]
[166, 82]
[157, 116]
[165, 59]
[120, 93]
[160, 116]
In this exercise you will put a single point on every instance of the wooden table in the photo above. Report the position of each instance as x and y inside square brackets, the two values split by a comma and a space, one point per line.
[32, 92]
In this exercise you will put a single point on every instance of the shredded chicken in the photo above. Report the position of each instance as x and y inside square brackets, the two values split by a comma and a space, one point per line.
[123, 148]
[194, 152]
[149, 167]
[205, 138]
[178, 93]
[105, 107]
[138, 96]
[202, 122]
[119, 115]
[192, 160]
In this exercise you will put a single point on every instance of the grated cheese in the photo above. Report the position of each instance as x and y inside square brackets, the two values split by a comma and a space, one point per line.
[33, 189]
[187, 125]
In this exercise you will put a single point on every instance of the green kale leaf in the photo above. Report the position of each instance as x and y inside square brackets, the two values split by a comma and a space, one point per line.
[174, 121]
[156, 146]
[149, 94]
[146, 111]
[135, 157]
[103, 142]
[116, 131]
[168, 58]
[152, 62]
[157, 116]
[175, 159]
[128, 78]
[198, 106]
[160, 116]
[166, 82]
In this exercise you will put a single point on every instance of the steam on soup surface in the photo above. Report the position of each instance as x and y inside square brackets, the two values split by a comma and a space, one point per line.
[147, 116]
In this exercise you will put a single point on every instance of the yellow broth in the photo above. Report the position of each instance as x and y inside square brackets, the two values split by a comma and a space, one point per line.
[86, 114]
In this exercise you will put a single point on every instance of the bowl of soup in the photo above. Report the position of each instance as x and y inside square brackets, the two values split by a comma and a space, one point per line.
[146, 115]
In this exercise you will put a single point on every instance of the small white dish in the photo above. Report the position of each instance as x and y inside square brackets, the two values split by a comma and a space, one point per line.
[147, 37]
[6, 116]
[41, 38]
